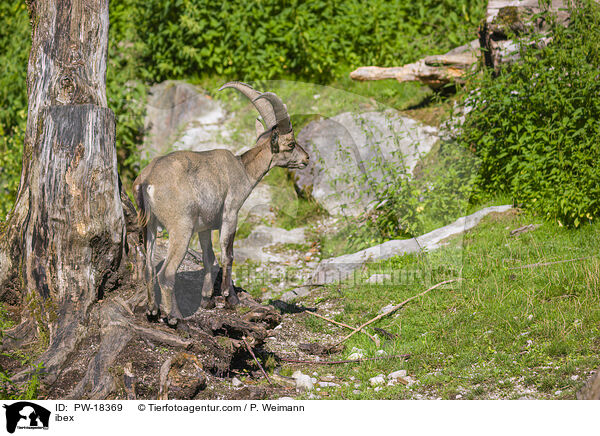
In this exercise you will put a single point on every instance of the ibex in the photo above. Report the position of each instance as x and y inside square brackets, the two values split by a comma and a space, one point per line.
[187, 192]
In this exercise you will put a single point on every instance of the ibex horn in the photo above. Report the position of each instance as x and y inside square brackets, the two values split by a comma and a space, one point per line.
[281, 115]
[264, 108]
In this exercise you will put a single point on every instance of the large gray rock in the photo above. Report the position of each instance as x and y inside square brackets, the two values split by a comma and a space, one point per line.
[339, 268]
[181, 116]
[262, 237]
[345, 152]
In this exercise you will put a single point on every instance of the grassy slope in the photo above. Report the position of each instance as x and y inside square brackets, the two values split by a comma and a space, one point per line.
[501, 333]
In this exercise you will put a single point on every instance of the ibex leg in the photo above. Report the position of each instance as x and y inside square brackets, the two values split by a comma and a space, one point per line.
[179, 239]
[226, 237]
[150, 270]
[208, 259]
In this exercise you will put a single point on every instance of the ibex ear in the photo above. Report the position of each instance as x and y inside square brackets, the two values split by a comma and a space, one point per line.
[260, 129]
[274, 142]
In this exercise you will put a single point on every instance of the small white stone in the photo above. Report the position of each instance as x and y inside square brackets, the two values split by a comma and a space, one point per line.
[326, 384]
[458, 396]
[355, 356]
[377, 380]
[303, 381]
[386, 309]
[397, 374]
[410, 380]
[236, 382]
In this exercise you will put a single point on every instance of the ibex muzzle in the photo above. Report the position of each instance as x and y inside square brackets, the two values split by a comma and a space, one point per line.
[189, 192]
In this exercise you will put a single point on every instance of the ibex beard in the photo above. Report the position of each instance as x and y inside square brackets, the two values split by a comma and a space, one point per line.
[188, 192]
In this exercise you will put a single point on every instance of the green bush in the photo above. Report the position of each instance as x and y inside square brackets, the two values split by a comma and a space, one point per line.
[15, 42]
[536, 127]
[307, 40]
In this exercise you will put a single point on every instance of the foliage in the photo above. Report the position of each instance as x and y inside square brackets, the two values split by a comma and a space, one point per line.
[299, 39]
[536, 126]
[126, 92]
[15, 43]
[8, 389]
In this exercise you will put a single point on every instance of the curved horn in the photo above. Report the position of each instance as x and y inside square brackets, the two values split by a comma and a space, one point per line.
[264, 108]
[281, 115]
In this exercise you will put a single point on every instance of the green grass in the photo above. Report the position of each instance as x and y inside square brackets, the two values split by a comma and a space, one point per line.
[497, 333]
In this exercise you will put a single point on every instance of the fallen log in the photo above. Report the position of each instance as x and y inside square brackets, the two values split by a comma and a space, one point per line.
[434, 71]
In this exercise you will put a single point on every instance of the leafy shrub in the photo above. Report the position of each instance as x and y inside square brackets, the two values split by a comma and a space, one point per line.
[126, 92]
[536, 126]
[307, 40]
[15, 42]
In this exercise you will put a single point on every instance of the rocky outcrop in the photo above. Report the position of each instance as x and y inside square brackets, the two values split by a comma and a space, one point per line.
[339, 268]
[182, 116]
[344, 154]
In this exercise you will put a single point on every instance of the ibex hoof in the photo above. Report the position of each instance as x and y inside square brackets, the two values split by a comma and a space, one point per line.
[232, 300]
[172, 322]
[152, 313]
[207, 303]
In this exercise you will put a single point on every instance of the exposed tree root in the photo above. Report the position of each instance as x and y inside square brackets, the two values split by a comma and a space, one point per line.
[119, 354]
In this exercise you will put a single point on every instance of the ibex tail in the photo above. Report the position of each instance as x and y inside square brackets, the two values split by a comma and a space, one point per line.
[140, 198]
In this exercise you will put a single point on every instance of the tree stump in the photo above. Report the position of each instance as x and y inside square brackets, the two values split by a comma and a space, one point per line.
[506, 19]
[65, 237]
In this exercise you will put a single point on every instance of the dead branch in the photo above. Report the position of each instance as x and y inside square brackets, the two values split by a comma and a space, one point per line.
[335, 362]
[256, 360]
[341, 324]
[393, 309]
[163, 393]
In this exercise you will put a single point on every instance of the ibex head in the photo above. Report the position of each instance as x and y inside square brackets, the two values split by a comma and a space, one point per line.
[286, 152]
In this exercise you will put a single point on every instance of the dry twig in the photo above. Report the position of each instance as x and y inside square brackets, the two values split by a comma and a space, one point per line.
[341, 324]
[393, 309]
[256, 360]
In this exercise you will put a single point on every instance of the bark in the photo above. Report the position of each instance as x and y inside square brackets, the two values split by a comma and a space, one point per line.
[65, 236]
[506, 19]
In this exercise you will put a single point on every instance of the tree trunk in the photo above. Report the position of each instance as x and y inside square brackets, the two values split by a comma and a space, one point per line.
[65, 236]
